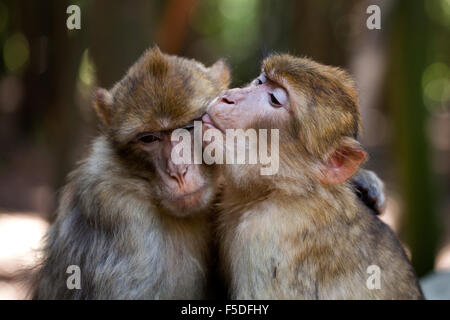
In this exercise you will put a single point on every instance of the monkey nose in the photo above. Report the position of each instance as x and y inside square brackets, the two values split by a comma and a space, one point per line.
[227, 100]
[178, 173]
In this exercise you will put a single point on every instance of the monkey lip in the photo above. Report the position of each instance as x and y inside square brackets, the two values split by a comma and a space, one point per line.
[207, 121]
[195, 194]
[189, 202]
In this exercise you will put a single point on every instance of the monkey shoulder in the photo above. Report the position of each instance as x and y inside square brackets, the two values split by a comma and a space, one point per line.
[376, 246]
[120, 250]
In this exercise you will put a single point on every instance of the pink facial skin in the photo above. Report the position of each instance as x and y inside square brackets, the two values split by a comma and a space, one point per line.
[185, 188]
[240, 107]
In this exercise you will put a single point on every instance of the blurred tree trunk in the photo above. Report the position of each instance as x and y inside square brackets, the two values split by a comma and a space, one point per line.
[408, 60]
[62, 119]
[119, 32]
[49, 114]
[322, 30]
[174, 25]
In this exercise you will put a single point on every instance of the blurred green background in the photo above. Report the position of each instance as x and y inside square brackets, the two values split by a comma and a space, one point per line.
[48, 74]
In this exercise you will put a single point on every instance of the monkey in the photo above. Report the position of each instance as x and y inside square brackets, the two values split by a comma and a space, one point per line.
[301, 233]
[136, 224]
[370, 189]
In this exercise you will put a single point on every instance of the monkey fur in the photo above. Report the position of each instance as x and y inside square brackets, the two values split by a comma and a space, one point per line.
[301, 233]
[115, 220]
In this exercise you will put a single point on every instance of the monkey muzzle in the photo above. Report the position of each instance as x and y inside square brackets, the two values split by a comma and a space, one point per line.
[208, 122]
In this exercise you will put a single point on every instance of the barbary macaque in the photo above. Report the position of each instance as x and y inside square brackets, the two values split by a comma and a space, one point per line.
[136, 224]
[301, 233]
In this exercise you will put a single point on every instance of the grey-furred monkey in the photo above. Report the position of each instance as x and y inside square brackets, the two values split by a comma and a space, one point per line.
[137, 225]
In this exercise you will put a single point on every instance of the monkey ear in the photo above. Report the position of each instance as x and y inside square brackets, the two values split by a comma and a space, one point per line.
[221, 74]
[343, 163]
[102, 103]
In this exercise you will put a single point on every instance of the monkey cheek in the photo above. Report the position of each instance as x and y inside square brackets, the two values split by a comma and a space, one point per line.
[212, 103]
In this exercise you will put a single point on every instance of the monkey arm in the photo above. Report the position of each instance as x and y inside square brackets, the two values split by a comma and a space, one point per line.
[370, 189]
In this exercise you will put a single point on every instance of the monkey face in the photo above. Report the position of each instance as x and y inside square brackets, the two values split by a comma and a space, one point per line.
[177, 189]
[159, 94]
[243, 108]
[181, 189]
[313, 106]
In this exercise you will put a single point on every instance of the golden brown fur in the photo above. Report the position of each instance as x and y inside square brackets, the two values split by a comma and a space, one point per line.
[301, 233]
[117, 219]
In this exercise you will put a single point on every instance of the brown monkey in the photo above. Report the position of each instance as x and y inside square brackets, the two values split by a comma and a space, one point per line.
[301, 233]
[135, 223]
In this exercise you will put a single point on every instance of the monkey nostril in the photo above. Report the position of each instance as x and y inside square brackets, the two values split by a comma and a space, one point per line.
[226, 100]
[178, 175]
[172, 175]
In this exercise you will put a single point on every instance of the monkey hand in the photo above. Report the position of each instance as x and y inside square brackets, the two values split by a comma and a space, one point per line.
[370, 189]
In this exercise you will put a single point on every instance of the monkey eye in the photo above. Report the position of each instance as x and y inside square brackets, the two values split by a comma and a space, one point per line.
[260, 80]
[278, 97]
[274, 101]
[147, 137]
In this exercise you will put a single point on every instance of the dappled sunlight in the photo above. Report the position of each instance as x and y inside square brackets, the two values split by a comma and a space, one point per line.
[21, 235]
[392, 214]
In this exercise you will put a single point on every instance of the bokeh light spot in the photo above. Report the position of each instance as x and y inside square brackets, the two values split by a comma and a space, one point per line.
[16, 52]
[436, 85]
[86, 72]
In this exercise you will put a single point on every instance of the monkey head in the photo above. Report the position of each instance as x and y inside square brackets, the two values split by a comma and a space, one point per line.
[313, 106]
[159, 94]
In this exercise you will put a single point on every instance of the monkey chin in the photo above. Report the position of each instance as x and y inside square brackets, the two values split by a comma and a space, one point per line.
[191, 203]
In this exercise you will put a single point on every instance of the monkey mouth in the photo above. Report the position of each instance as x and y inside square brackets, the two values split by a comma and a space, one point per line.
[189, 202]
[209, 122]
[195, 193]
